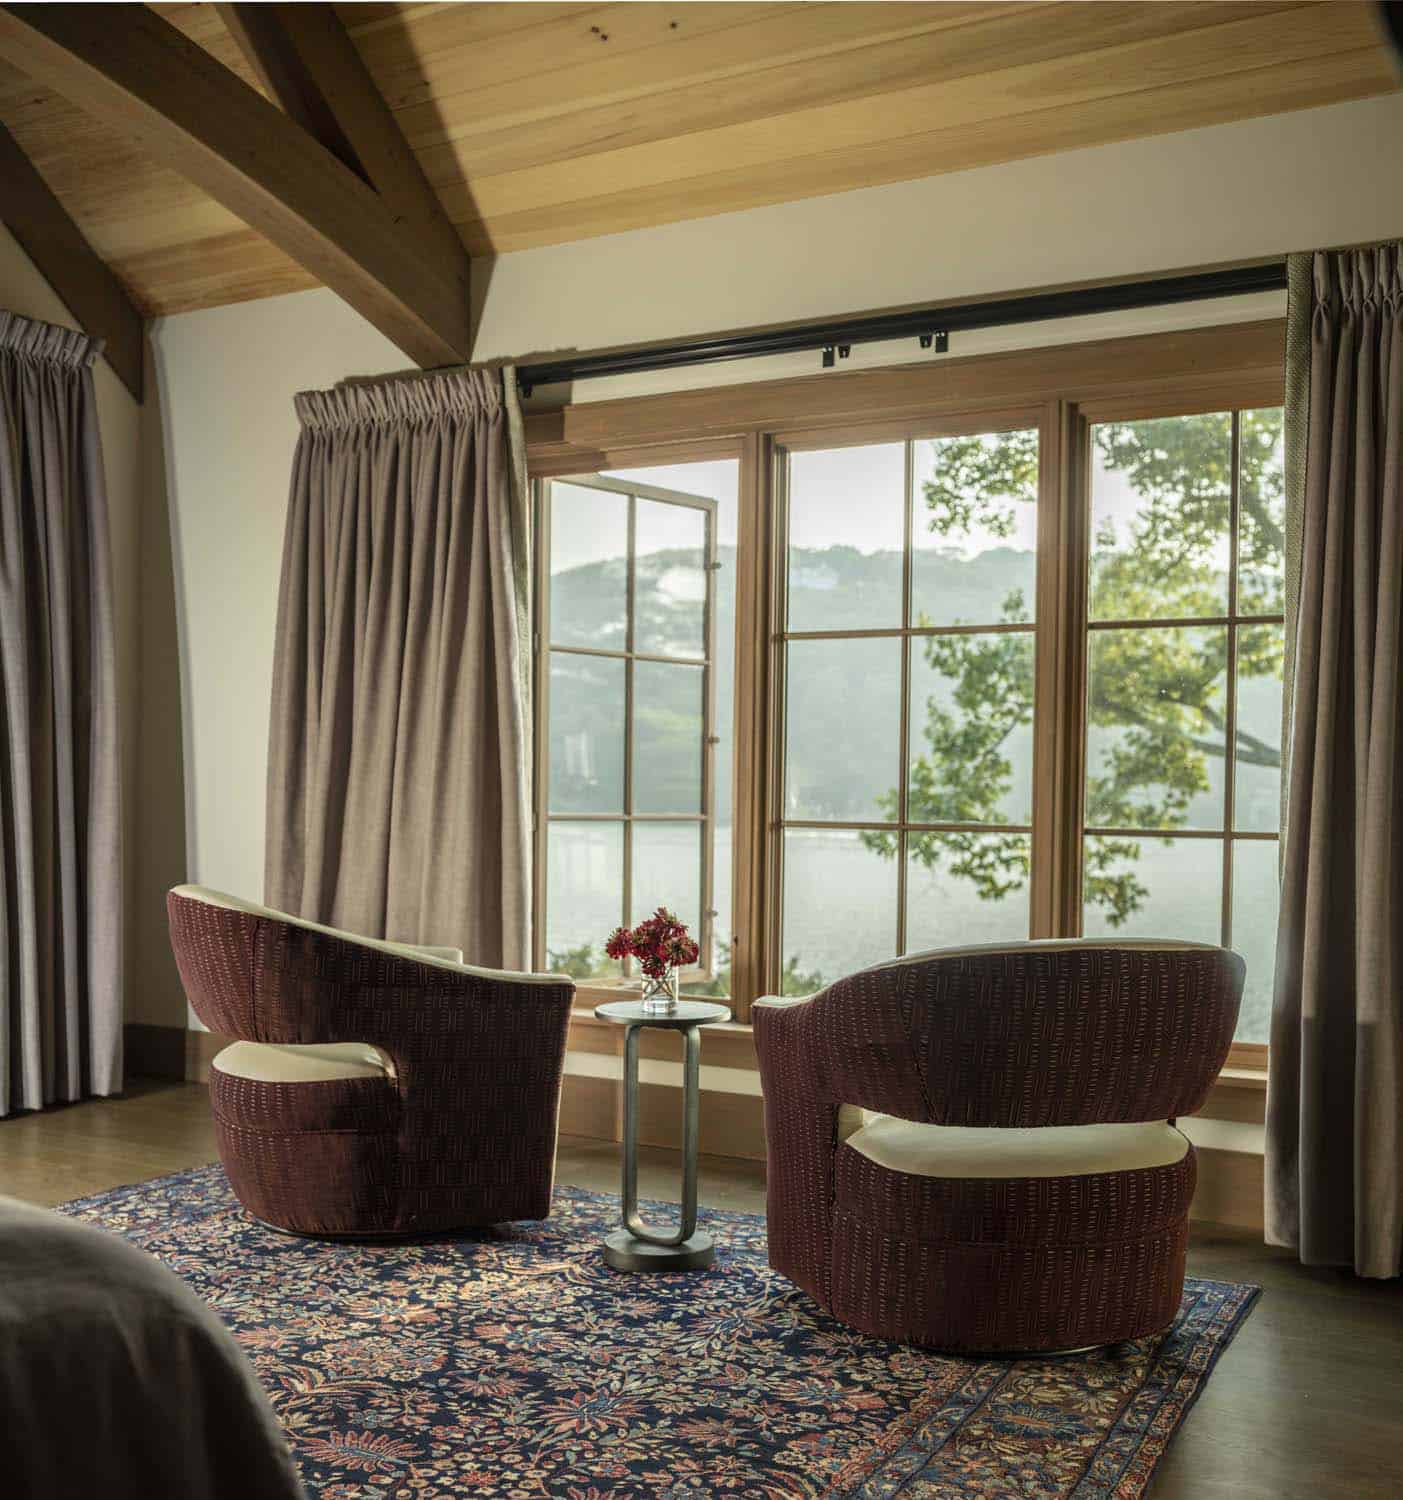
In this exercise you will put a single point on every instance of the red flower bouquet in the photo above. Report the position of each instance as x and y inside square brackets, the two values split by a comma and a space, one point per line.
[662, 945]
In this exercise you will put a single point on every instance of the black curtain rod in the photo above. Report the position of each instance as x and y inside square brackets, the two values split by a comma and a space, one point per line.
[932, 326]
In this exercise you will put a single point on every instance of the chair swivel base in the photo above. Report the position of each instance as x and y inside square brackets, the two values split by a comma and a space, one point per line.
[625, 1253]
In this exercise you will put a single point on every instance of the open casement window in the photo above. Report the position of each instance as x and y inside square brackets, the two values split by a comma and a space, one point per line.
[626, 758]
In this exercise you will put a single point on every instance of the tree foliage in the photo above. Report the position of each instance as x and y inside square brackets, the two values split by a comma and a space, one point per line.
[1156, 710]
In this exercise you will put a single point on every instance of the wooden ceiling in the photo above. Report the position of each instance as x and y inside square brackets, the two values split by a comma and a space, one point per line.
[542, 123]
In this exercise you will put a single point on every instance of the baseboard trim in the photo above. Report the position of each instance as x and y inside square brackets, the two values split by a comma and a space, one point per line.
[1230, 1189]
[153, 1051]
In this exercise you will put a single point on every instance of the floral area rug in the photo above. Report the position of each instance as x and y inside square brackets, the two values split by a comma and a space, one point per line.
[513, 1363]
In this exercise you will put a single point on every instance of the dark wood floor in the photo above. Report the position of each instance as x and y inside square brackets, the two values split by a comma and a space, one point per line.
[1307, 1402]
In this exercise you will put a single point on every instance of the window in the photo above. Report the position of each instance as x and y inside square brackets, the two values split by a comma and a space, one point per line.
[1184, 648]
[908, 655]
[636, 695]
[856, 690]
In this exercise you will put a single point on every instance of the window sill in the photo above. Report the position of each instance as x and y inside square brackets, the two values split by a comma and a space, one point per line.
[1254, 1079]
[1248, 1080]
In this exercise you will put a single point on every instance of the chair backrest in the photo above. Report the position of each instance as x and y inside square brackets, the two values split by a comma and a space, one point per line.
[1031, 1034]
[234, 960]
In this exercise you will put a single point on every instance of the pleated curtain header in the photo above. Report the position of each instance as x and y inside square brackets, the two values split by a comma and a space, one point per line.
[47, 343]
[411, 398]
[1355, 280]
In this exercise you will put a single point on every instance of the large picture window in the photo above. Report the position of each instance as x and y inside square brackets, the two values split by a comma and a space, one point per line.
[877, 687]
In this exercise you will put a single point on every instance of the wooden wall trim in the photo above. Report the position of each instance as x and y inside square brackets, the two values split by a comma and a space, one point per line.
[1242, 357]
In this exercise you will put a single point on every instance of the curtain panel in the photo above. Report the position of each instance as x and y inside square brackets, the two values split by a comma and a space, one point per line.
[399, 747]
[1334, 1155]
[60, 813]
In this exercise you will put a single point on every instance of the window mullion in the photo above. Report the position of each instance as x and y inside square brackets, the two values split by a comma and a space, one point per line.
[631, 574]
[751, 845]
[1230, 661]
[707, 935]
[904, 751]
[541, 499]
[1059, 692]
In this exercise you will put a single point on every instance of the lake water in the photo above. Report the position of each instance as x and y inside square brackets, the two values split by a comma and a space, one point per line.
[840, 899]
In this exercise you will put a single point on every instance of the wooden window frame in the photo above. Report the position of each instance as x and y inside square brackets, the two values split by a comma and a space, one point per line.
[1068, 388]
[1107, 409]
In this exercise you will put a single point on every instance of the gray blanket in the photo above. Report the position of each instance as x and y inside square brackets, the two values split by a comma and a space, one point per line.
[117, 1382]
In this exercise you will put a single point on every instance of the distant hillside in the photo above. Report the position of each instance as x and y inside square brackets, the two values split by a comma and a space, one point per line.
[844, 713]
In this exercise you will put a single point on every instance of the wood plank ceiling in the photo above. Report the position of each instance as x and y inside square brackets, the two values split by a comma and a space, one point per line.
[543, 123]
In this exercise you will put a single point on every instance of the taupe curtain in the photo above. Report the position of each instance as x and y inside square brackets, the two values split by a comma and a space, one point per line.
[1334, 1183]
[398, 791]
[60, 819]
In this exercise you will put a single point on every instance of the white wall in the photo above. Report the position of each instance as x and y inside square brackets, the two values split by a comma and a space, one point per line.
[24, 290]
[1237, 192]
[227, 376]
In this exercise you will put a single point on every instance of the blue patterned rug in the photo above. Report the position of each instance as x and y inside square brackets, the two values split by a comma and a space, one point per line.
[514, 1363]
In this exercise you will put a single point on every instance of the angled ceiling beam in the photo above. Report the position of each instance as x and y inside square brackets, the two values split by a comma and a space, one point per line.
[79, 276]
[263, 39]
[312, 68]
[128, 66]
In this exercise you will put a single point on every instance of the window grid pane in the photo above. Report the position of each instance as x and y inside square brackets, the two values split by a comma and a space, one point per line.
[630, 663]
[973, 842]
[1122, 862]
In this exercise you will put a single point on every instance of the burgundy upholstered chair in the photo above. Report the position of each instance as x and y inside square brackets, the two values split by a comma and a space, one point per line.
[974, 1149]
[376, 1088]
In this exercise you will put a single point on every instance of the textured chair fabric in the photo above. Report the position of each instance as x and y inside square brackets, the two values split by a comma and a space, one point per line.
[456, 1127]
[1026, 1037]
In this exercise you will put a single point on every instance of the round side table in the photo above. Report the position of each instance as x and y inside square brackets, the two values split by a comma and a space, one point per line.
[636, 1247]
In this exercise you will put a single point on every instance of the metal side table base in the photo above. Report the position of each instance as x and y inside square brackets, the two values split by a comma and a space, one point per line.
[637, 1247]
[626, 1253]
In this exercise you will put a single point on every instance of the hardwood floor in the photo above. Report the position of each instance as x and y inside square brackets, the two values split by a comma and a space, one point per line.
[1307, 1401]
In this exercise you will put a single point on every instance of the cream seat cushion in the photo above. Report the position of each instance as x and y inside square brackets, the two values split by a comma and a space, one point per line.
[1050, 1151]
[265, 1062]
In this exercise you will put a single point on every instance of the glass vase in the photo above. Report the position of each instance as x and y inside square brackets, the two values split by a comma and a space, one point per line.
[660, 995]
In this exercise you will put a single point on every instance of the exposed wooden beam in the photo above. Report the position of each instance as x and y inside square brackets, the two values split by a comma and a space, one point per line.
[146, 78]
[263, 40]
[45, 230]
[312, 67]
